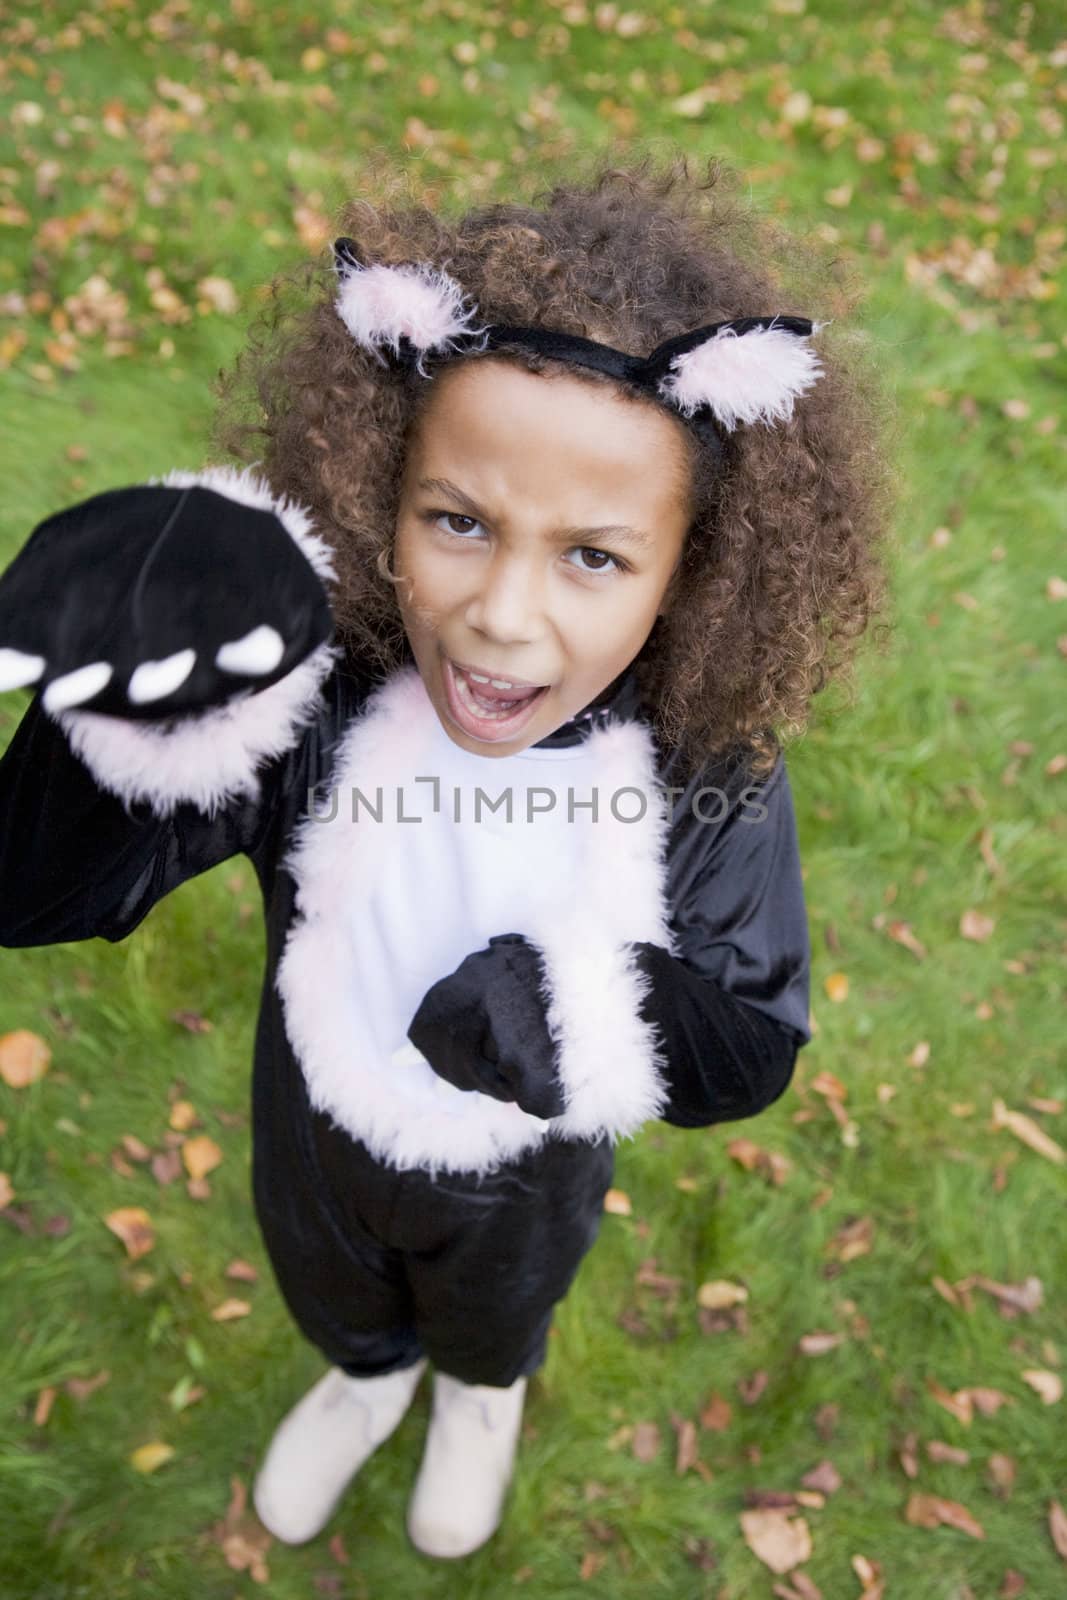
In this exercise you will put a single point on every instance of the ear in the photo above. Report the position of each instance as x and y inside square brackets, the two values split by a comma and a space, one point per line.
[748, 370]
[380, 305]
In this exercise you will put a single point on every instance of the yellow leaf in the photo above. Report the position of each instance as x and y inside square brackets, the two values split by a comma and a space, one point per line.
[133, 1226]
[719, 1294]
[618, 1203]
[836, 987]
[7, 1193]
[24, 1057]
[182, 1115]
[151, 1456]
[201, 1156]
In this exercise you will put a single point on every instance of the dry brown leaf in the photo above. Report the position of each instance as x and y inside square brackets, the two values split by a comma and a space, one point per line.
[81, 1388]
[43, 1409]
[825, 1477]
[901, 933]
[818, 1344]
[799, 1587]
[825, 1083]
[753, 1158]
[1057, 1527]
[1049, 1385]
[243, 1271]
[617, 1203]
[150, 1457]
[1000, 1470]
[200, 1156]
[192, 1021]
[836, 987]
[719, 1294]
[687, 1453]
[852, 1239]
[1026, 1129]
[242, 1539]
[646, 1441]
[870, 1575]
[133, 1226]
[776, 1539]
[937, 1450]
[987, 1401]
[959, 1404]
[975, 925]
[229, 1310]
[909, 1455]
[7, 1193]
[933, 1511]
[24, 1058]
[750, 1389]
[1025, 1296]
[135, 1148]
[167, 1166]
[716, 1414]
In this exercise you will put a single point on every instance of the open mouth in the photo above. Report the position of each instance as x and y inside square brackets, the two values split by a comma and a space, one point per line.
[485, 711]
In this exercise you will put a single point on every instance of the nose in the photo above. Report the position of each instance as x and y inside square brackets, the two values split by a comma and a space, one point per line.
[507, 604]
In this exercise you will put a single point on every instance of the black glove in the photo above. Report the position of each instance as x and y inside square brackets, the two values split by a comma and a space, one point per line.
[136, 576]
[484, 1028]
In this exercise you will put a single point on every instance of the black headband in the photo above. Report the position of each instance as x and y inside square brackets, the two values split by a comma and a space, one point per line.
[745, 369]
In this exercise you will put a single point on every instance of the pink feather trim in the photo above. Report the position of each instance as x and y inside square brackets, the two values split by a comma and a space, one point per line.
[379, 304]
[750, 377]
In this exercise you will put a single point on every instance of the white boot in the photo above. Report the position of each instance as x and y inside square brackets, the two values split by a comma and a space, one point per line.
[467, 1466]
[321, 1445]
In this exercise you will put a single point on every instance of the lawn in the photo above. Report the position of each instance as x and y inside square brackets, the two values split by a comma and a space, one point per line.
[890, 1372]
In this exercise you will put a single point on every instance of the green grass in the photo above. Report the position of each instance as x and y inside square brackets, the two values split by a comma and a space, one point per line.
[896, 792]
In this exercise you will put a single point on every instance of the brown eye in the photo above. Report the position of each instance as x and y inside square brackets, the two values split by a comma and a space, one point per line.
[591, 550]
[453, 516]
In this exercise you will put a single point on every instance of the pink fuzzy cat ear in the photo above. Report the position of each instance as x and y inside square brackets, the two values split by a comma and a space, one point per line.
[749, 370]
[381, 305]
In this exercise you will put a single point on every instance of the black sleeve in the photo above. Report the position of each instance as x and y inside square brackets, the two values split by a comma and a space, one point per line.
[726, 1060]
[78, 863]
[732, 1005]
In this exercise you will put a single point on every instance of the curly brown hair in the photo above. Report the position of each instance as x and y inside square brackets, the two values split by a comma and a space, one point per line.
[782, 568]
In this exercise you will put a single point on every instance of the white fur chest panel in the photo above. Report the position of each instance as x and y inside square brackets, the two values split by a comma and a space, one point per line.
[385, 908]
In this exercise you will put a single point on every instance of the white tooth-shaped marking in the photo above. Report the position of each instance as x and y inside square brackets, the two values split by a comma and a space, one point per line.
[18, 669]
[74, 687]
[258, 652]
[154, 679]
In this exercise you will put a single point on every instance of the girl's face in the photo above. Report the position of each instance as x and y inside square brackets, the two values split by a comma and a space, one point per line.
[540, 523]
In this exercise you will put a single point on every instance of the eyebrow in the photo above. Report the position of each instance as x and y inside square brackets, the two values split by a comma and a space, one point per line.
[619, 531]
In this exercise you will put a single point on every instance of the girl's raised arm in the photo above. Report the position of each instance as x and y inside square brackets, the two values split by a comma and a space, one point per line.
[179, 635]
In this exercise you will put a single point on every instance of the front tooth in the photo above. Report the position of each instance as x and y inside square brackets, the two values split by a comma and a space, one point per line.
[501, 683]
[476, 677]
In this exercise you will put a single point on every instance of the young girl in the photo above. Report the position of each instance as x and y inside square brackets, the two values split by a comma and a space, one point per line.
[557, 509]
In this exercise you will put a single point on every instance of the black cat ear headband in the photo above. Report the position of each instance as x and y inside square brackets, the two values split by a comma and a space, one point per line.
[750, 369]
